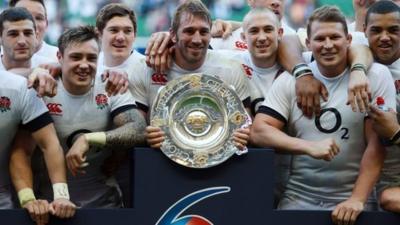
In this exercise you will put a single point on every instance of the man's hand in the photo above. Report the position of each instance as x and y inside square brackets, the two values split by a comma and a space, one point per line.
[308, 92]
[326, 149]
[44, 84]
[154, 136]
[221, 29]
[76, 155]
[346, 212]
[384, 123]
[62, 208]
[158, 53]
[53, 68]
[241, 137]
[38, 210]
[117, 81]
[359, 93]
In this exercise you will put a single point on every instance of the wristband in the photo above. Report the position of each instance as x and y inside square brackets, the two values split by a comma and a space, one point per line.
[96, 138]
[359, 67]
[303, 73]
[60, 190]
[25, 195]
[298, 66]
[301, 70]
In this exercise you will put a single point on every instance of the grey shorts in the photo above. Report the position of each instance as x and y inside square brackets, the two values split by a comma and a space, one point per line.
[293, 202]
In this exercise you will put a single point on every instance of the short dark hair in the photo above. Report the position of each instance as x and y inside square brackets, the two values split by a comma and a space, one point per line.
[76, 35]
[15, 14]
[112, 10]
[12, 3]
[193, 7]
[381, 7]
[327, 14]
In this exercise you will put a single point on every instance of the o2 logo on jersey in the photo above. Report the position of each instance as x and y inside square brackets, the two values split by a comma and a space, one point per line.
[5, 104]
[331, 123]
[170, 217]
[101, 101]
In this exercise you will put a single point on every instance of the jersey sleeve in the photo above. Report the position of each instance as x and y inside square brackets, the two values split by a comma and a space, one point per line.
[34, 113]
[139, 79]
[240, 82]
[277, 102]
[382, 84]
[121, 103]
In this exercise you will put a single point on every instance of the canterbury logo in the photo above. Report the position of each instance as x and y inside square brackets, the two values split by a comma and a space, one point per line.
[171, 216]
[240, 45]
[248, 70]
[159, 78]
[54, 108]
[397, 85]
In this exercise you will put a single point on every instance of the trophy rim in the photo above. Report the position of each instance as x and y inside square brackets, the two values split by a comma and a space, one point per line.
[226, 108]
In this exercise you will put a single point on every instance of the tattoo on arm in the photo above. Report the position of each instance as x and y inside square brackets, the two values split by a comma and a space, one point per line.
[129, 132]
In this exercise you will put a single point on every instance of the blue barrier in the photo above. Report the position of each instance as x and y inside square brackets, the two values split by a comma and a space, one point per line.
[238, 192]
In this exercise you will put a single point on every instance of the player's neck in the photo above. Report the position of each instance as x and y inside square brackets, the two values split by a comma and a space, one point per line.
[184, 64]
[332, 71]
[111, 61]
[264, 62]
[39, 46]
[76, 90]
[390, 61]
[12, 64]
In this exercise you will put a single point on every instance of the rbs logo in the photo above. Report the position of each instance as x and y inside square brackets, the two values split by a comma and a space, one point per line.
[172, 215]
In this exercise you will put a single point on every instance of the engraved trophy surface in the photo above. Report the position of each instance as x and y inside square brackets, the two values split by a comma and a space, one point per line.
[198, 114]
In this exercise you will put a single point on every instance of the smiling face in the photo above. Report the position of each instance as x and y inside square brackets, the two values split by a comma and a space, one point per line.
[78, 65]
[262, 33]
[117, 39]
[18, 40]
[329, 45]
[191, 41]
[383, 33]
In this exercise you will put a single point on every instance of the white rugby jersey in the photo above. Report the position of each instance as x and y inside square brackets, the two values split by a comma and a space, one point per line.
[18, 105]
[260, 79]
[144, 84]
[36, 60]
[131, 65]
[48, 51]
[391, 169]
[317, 179]
[91, 112]
[235, 42]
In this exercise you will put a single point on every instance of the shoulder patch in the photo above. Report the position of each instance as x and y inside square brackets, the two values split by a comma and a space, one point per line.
[101, 101]
[5, 104]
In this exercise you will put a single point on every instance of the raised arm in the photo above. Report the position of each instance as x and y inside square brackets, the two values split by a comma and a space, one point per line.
[308, 89]
[359, 93]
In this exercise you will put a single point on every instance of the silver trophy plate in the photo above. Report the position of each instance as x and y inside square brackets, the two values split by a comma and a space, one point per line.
[198, 114]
